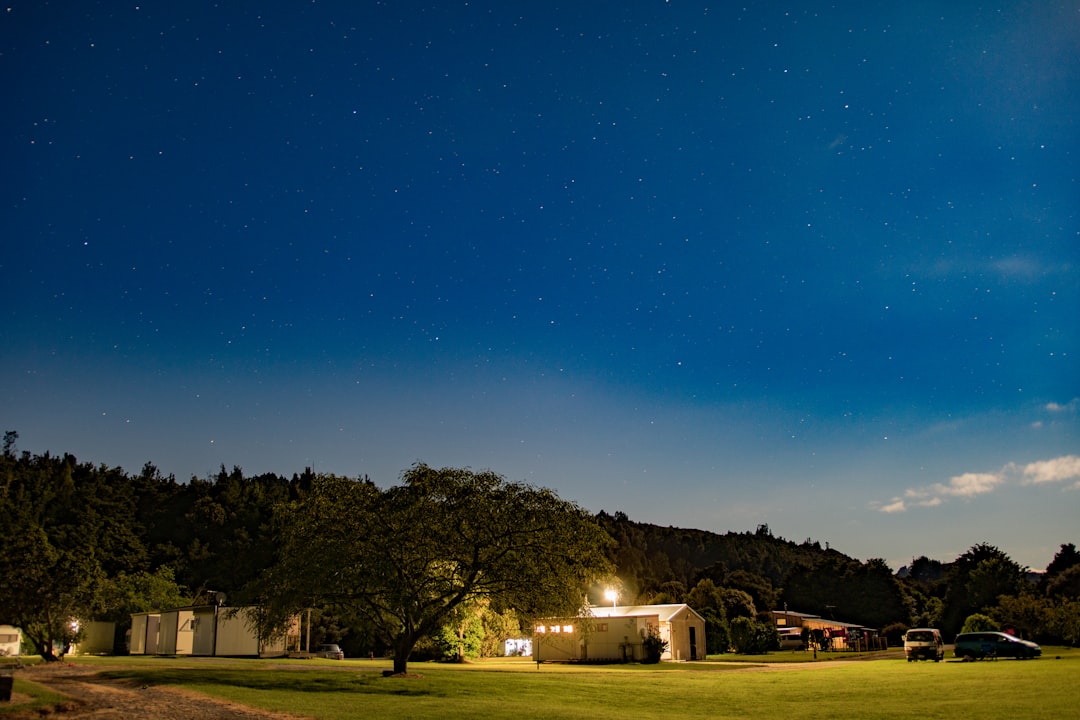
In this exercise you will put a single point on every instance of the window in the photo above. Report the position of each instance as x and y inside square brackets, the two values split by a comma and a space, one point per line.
[555, 629]
[601, 627]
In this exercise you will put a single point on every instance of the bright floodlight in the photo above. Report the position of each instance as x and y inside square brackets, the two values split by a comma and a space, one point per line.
[611, 595]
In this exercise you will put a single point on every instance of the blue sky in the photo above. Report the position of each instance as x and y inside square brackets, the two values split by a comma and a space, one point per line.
[810, 266]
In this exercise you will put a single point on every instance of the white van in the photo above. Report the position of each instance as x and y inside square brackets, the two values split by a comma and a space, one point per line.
[924, 644]
[790, 638]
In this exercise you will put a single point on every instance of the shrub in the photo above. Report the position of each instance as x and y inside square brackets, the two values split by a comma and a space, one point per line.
[978, 622]
[461, 640]
[653, 646]
[717, 635]
[1065, 623]
[751, 637]
[894, 633]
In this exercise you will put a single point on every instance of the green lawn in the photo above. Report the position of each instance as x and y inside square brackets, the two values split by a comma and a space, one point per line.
[829, 688]
[41, 699]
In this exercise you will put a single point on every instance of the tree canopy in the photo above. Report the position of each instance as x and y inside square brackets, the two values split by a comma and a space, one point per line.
[405, 559]
[90, 542]
[65, 537]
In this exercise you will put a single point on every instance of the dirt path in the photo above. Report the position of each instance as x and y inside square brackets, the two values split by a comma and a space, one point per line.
[98, 698]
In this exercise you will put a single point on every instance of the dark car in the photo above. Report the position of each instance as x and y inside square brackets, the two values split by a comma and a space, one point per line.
[329, 651]
[979, 645]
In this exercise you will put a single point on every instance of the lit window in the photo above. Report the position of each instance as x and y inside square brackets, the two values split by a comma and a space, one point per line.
[541, 629]
[568, 628]
[601, 627]
[554, 628]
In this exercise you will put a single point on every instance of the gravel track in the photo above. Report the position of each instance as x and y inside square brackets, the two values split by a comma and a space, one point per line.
[99, 698]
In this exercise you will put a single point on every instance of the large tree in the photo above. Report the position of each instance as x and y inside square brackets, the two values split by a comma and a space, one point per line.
[838, 587]
[47, 588]
[51, 552]
[976, 580]
[405, 559]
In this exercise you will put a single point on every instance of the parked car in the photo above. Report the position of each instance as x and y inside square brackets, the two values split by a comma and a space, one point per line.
[924, 644]
[790, 638]
[979, 645]
[329, 651]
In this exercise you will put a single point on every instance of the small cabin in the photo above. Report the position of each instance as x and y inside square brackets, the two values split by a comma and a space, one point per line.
[617, 634]
[204, 630]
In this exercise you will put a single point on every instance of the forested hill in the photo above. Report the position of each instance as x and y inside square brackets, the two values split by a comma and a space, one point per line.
[653, 559]
[746, 574]
[97, 539]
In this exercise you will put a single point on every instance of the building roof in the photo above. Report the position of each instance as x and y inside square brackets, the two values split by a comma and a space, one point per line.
[665, 612]
[818, 618]
[794, 613]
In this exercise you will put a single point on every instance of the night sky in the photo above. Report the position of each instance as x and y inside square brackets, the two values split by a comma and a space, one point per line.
[813, 266]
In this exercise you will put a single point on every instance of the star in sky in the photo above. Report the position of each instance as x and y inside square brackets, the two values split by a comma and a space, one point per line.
[813, 267]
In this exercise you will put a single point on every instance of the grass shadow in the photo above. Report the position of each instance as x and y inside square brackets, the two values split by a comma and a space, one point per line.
[307, 681]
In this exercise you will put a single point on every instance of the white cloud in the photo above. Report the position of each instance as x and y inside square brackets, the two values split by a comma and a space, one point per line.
[1071, 406]
[1019, 268]
[923, 497]
[969, 485]
[1062, 469]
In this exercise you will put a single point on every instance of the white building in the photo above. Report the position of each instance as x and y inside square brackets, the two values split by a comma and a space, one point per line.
[205, 630]
[617, 634]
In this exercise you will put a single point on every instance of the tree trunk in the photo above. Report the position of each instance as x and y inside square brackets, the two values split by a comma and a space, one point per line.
[44, 645]
[48, 652]
[403, 648]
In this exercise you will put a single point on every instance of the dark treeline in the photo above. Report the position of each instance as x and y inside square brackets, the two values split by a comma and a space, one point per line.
[754, 572]
[84, 540]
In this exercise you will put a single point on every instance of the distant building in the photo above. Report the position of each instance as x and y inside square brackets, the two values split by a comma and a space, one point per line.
[205, 630]
[617, 634]
[98, 637]
[516, 647]
[840, 635]
[144, 633]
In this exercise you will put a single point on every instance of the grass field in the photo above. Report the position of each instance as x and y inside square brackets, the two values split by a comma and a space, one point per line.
[40, 698]
[830, 688]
